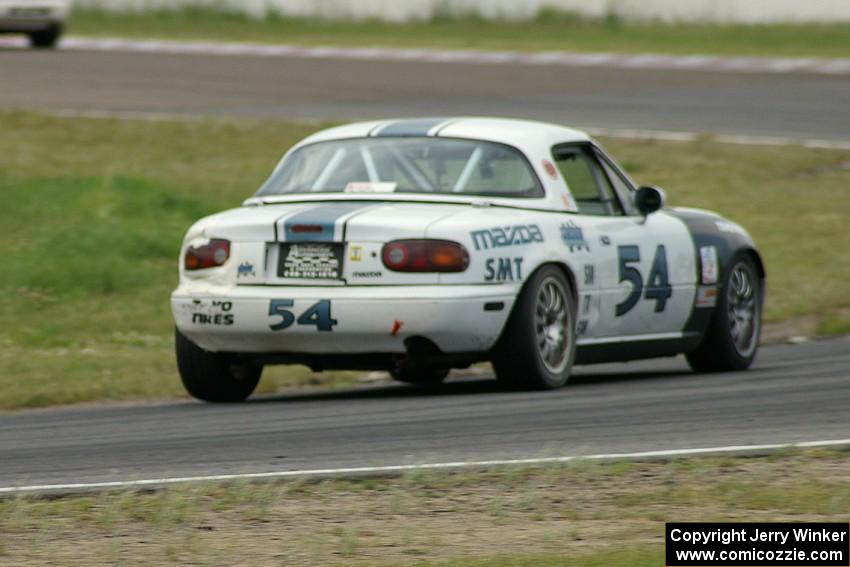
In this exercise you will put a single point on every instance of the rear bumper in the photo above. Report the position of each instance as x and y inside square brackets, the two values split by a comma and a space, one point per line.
[373, 319]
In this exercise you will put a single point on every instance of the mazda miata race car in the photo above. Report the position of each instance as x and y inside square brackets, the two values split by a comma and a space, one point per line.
[41, 20]
[416, 246]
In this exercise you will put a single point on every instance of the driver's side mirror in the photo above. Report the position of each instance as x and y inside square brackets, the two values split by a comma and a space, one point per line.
[649, 199]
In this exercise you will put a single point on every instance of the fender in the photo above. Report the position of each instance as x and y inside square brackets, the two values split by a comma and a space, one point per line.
[728, 240]
[571, 284]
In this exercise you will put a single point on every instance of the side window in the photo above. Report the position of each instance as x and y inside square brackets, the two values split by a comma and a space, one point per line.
[587, 181]
[621, 187]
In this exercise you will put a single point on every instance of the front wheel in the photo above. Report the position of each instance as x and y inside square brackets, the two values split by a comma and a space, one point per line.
[212, 376]
[733, 335]
[537, 346]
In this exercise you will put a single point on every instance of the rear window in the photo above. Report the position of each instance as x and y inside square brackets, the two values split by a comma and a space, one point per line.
[406, 165]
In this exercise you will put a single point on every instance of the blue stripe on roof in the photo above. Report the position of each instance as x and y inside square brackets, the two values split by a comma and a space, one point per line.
[413, 127]
[324, 216]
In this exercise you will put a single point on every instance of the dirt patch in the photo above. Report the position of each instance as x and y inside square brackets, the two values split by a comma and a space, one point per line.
[567, 509]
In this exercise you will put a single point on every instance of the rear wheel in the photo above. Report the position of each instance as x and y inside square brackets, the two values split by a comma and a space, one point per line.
[421, 376]
[537, 347]
[213, 376]
[46, 39]
[733, 336]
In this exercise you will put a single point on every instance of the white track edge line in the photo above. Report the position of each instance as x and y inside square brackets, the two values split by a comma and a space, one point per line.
[456, 465]
[717, 63]
[620, 60]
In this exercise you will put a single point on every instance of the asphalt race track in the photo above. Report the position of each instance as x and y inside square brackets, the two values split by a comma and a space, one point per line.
[791, 104]
[795, 393]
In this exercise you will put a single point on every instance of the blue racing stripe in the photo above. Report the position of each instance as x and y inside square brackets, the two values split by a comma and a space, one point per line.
[317, 224]
[414, 127]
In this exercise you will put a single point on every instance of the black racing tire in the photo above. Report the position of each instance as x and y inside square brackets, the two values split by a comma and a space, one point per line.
[537, 347]
[421, 376]
[46, 39]
[212, 376]
[732, 338]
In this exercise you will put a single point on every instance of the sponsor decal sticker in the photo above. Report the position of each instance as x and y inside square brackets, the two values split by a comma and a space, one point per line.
[310, 260]
[708, 263]
[568, 202]
[215, 312]
[573, 237]
[225, 319]
[500, 237]
[206, 305]
[589, 274]
[550, 169]
[196, 305]
[397, 325]
[503, 269]
[367, 274]
[706, 296]
[245, 269]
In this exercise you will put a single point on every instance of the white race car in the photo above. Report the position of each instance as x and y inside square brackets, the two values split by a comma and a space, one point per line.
[416, 246]
[41, 20]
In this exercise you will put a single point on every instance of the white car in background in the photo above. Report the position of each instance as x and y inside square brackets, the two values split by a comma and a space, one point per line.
[416, 246]
[41, 20]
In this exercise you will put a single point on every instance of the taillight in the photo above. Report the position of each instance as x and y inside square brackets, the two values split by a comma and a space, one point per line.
[213, 253]
[425, 256]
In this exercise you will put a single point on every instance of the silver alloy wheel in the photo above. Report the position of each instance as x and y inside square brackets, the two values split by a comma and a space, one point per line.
[552, 325]
[742, 303]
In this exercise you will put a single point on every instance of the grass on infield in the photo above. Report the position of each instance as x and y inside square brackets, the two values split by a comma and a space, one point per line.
[576, 514]
[551, 30]
[95, 211]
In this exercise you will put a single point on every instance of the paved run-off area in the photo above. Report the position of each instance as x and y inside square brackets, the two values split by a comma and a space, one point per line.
[738, 96]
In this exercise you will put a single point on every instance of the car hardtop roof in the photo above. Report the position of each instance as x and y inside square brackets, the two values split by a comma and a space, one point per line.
[534, 139]
[518, 133]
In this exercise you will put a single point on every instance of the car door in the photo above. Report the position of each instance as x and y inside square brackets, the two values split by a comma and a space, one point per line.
[643, 267]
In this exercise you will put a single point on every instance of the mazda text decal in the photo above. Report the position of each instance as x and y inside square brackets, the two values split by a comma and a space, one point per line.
[502, 236]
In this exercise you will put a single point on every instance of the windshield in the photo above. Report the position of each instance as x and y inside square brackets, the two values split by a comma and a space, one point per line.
[405, 165]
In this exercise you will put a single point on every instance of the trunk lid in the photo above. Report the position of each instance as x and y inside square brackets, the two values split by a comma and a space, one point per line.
[328, 243]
